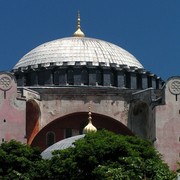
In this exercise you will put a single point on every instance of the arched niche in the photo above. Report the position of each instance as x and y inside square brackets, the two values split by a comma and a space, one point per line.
[50, 138]
[85, 76]
[70, 76]
[32, 119]
[113, 77]
[138, 118]
[99, 76]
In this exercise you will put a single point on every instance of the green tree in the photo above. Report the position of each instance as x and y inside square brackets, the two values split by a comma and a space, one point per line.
[101, 155]
[105, 155]
[19, 161]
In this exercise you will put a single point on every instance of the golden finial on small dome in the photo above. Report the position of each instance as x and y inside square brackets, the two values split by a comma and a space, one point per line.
[78, 32]
[89, 128]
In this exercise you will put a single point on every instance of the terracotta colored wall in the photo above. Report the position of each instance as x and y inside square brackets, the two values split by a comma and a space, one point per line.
[32, 120]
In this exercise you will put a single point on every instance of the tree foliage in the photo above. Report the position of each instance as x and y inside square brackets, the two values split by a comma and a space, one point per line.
[102, 156]
[18, 161]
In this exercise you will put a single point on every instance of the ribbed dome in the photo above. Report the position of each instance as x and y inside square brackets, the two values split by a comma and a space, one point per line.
[77, 49]
[63, 144]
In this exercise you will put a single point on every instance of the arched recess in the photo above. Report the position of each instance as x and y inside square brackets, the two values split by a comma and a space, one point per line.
[70, 76]
[32, 119]
[73, 124]
[99, 77]
[84, 76]
[113, 77]
[138, 118]
[50, 138]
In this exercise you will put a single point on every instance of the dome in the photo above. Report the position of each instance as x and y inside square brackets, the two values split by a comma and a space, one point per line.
[63, 144]
[83, 50]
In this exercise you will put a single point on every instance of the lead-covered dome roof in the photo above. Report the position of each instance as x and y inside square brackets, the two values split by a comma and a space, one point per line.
[63, 144]
[77, 49]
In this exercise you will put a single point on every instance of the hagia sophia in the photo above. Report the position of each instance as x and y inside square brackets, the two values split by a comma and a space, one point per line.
[46, 97]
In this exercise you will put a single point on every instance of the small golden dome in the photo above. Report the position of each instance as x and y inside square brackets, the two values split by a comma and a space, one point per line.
[89, 128]
[78, 32]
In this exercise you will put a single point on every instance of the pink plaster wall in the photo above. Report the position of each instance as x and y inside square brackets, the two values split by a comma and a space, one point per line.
[168, 127]
[12, 111]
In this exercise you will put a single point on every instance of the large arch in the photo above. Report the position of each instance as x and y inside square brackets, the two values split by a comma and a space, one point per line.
[74, 123]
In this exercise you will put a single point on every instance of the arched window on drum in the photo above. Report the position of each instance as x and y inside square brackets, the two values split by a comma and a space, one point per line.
[50, 138]
[99, 77]
[70, 76]
[113, 77]
[84, 76]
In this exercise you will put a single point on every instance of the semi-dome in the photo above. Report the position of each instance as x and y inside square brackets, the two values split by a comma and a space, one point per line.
[63, 144]
[77, 49]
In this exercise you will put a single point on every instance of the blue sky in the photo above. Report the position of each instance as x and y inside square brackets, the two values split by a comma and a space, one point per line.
[150, 30]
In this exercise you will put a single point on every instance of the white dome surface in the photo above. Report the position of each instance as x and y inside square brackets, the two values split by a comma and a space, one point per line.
[63, 144]
[78, 49]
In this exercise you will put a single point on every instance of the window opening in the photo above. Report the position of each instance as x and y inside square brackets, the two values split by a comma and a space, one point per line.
[99, 78]
[70, 77]
[113, 78]
[139, 81]
[68, 132]
[84, 77]
[50, 138]
[4, 94]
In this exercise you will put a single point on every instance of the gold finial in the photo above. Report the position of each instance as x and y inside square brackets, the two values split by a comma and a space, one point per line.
[89, 127]
[78, 21]
[78, 32]
[89, 115]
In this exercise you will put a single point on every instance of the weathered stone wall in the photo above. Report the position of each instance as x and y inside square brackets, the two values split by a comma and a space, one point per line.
[12, 110]
[66, 107]
[65, 101]
[168, 123]
[142, 114]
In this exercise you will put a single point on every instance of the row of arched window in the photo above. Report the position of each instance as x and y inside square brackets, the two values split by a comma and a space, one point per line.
[64, 77]
[86, 76]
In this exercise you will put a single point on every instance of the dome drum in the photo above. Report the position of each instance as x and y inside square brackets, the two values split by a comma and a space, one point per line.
[78, 75]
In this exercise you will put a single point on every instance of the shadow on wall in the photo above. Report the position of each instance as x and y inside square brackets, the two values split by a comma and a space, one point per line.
[72, 125]
[138, 119]
[32, 119]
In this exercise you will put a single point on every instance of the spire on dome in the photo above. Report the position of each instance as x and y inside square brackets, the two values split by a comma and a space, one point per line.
[89, 127]
[78, 32]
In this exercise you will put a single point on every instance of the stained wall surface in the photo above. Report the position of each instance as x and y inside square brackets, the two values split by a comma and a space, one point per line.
[33, 114]
[168, 123]
[12, 110]
[68, 107]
